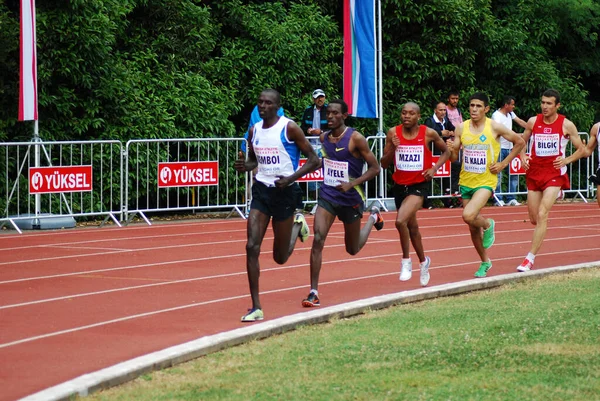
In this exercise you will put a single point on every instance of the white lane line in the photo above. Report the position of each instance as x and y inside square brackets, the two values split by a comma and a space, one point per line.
[235, 297]
[265, 270]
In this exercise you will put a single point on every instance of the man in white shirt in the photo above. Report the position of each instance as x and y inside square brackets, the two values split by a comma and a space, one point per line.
[505, 115]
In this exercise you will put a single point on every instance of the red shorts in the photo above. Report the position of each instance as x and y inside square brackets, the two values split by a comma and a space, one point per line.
[540, 179]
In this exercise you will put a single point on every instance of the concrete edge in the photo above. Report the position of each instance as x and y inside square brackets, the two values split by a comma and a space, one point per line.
[133, 368]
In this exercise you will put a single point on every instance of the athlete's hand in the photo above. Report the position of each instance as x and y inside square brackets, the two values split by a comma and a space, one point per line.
[240, 163]
[497, 167]
[525, 162]
[429, 173]
[559, 162]
[282, 181]
[396, 140]
[344, 187]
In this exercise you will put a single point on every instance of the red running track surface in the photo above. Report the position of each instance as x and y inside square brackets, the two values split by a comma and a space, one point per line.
[76, 301]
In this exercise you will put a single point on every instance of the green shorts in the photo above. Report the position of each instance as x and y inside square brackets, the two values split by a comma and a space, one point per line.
[467, 193]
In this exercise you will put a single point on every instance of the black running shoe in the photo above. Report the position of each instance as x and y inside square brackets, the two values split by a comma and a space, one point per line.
[311, 300]
[379, 222]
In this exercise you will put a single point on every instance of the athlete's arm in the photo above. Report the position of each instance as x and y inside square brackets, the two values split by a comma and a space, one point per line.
[509, 135]
[358, 144]
[296, 135]
[454, 145]
[389, 151]
[570, 129]
[526, 135]
[438, 142]
[591, 145]
[250, 162]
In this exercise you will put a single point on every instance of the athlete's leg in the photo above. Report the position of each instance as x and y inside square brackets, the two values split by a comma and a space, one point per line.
[547, 201]
[356, 237]
[256, 228]
[323, 221]
[285, 234]
[476, 222]
[407, 213]
[534, 199]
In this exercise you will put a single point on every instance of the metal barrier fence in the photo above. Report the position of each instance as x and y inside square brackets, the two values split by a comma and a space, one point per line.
[44, 180]
[183, 175]
[101, 178]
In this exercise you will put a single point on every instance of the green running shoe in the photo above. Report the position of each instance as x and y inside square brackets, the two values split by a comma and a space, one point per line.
[484, 267]
[489, 236]
[304, 230]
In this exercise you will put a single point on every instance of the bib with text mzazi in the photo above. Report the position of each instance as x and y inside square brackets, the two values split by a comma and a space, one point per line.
[547, 144]
[335, 172]
[409, 158]
[475, 160]
[269, 162]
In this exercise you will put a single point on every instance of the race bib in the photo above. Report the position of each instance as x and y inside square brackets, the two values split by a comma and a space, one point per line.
[409, 158]
[269, 162]
[475, 160]
[335, 172]
[547, 144]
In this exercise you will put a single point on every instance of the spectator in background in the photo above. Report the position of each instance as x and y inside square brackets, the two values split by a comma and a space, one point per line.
[455, 116]
[439, 123]
[505, 116]
[315, 116]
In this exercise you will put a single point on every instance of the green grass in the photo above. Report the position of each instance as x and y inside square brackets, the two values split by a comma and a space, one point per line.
[537, 340]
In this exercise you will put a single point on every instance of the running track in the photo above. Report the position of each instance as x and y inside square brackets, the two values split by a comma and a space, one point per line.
[76, 301]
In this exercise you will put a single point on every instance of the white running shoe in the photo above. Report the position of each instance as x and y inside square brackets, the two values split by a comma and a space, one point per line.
[406, 271]
[514, 202]
[425, 271]
[525, 266]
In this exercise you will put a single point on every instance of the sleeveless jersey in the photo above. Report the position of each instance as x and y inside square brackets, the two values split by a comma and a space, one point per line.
[275, 153]
[340, 165]
[412, 157]
[548, 141]
[479, 152]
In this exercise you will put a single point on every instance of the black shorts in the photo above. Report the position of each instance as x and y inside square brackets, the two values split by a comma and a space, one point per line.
[275, 202]
[402, 191]
[346, 214]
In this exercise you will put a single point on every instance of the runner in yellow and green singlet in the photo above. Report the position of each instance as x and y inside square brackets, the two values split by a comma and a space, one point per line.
[479, 138]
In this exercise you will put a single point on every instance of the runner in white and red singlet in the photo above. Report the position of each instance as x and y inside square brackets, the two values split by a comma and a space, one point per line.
[546, 171]
[591, 145]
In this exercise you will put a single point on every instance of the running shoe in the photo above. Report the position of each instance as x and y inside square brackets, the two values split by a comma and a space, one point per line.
[406, 271]
[425, 271]
[514, 202]
[484, 267]
[489, 236]
[525, 266]
[304, 231]
[311, 300]
[379, 221]
[253, 315]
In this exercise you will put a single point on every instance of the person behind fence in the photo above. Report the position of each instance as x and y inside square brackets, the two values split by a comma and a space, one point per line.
[314, 122]
[456, 118]
[479, 140]
[408, 148]
[546, 167]
[345, 152]
[591, 145]
[505, 115]
[440, 123]
[274, 147]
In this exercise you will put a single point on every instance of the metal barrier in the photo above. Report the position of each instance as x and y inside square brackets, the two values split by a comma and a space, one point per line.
[183, 174]
[44, 180]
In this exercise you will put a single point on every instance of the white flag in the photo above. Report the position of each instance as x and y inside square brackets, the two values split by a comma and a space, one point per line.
[28, 81]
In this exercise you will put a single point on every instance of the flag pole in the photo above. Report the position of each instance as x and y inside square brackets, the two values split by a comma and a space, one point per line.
[379, 68]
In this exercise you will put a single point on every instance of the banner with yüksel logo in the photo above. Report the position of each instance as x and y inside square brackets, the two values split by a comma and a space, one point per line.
[46, 180]
[188, 174]
[315, 176]
[516, 166]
